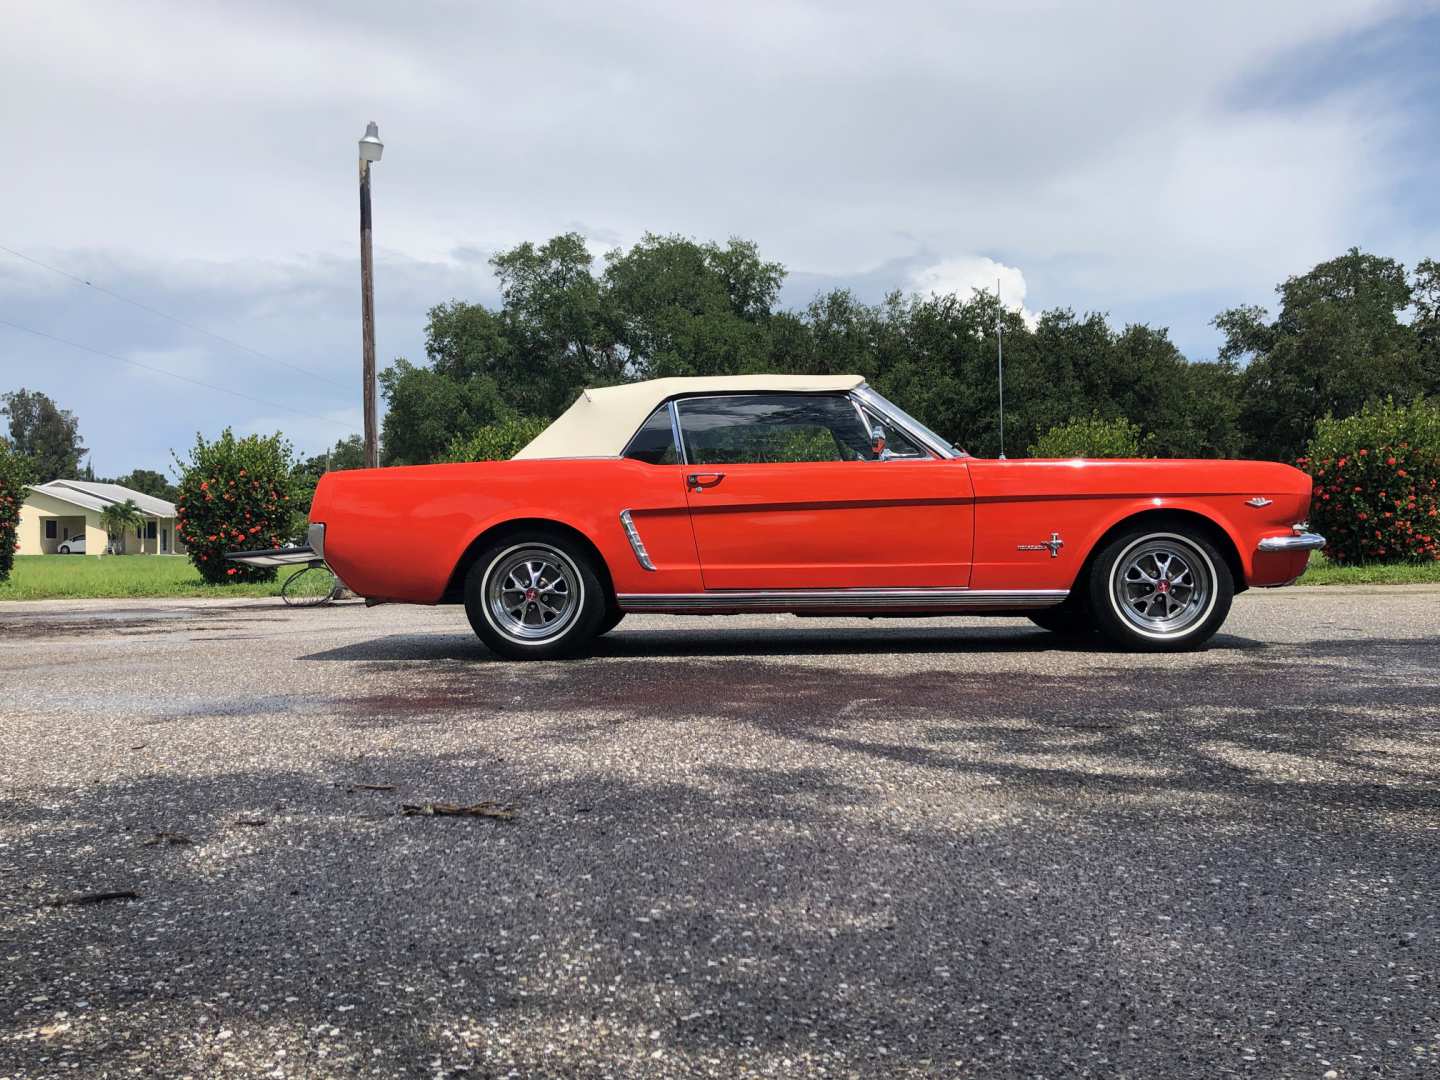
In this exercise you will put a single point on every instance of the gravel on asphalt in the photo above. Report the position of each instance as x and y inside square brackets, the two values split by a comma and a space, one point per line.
[752, 845]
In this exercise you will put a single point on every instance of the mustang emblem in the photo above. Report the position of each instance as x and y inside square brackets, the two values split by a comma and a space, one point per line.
[1053, 545]
[1259, 502]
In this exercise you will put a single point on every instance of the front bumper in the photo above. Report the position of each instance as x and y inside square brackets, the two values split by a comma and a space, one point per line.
[1300, 541]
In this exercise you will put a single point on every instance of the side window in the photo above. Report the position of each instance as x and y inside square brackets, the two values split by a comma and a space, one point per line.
[755, 428]
[655, 441]
[897, 444]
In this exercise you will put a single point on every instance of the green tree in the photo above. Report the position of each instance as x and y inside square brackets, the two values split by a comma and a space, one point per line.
[45, 433]
[1089, 437]
[684, 308]
[1208, 424]
[499, 441]
[557, 326]
[235, 495]
[935, 355]
[149, 482]
[347, 453]
[117, 519]
[426, 410]
[671, 305]
[1426, 325]
[1336, 343]
[14, 475]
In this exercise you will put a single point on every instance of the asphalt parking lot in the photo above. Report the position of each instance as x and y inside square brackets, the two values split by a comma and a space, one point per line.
[750, 845]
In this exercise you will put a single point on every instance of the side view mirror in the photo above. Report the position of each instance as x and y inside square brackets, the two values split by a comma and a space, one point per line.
[877, 443]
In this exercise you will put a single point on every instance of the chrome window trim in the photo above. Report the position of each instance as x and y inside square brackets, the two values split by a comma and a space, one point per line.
[865, 420]
[676, 402]
[669, 406]
[637, 545]
[878, 404]
[672, 407]
[865, 425]
[839, 600]
[861, 398]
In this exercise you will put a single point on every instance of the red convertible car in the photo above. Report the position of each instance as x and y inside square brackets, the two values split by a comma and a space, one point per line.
[808, 495]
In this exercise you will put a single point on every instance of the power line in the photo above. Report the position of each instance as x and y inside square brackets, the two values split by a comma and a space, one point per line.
[173, 318]
[176, 375]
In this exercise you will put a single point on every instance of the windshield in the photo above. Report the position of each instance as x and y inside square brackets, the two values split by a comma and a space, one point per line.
[902, 419]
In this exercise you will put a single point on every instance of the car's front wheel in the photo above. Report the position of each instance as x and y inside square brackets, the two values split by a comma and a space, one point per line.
[1160, 590]
[534, 597]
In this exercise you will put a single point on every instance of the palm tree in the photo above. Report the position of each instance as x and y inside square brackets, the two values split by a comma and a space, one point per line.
[117, 518]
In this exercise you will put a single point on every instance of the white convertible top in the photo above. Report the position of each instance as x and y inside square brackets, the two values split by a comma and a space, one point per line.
[601, 421]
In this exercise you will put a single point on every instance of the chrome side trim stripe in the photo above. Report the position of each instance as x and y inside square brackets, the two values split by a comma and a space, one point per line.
[782, 600]
[636, 544]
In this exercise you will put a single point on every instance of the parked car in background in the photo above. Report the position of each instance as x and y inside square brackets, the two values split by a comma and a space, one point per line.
[808, 495]
[74, 546]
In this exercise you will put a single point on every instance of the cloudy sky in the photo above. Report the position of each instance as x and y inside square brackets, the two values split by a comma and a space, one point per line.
[1158, 162]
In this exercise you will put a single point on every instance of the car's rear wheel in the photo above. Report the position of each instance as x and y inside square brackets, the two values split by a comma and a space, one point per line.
[534, 596]
[610, 620]
[1160, 590]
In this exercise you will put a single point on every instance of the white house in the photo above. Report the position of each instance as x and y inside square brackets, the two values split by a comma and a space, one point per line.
[62, 510]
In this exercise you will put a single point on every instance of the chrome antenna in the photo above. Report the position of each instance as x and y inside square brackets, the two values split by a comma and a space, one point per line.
[1000, 360]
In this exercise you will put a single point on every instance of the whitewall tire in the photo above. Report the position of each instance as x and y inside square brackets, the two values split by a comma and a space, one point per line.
[534, 596]
[1160, 589]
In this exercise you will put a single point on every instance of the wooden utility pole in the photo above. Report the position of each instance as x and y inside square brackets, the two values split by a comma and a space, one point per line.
[370, 150]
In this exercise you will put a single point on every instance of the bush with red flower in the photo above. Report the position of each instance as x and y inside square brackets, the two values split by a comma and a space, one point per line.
[1377, 483]
[14, 475]
[234, 496]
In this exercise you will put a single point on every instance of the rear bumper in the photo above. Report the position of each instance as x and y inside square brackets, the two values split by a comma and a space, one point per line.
[1304, 541]
[292, 556]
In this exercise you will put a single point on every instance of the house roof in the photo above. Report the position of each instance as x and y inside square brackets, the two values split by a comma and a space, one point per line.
[601, 421]
[94, 496]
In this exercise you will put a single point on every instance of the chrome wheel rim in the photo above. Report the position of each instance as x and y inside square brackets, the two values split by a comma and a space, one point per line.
[1163, 585]
[532, 592]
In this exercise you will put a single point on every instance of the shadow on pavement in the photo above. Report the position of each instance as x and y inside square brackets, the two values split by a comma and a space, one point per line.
[1221, 865]
[749, 641]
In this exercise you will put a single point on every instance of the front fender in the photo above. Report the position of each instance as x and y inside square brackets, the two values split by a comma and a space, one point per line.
[1021, 505]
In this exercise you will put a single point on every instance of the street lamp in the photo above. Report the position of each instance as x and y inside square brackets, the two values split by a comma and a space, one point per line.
[370, 150]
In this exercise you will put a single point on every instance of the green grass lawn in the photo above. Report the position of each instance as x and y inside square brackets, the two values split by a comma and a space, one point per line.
[86, 577]
[83, 577]
[1322, 571]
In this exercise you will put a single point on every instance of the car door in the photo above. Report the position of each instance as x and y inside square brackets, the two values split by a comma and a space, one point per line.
[788, 491]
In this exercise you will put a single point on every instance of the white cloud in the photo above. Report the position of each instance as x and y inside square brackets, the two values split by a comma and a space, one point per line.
[963, 274]
[201, 158]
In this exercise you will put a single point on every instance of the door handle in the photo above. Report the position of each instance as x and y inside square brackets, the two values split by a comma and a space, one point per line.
[698, 480]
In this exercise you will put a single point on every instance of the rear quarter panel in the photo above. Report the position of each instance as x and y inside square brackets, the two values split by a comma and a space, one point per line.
[398, 533]
[1024, 502]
